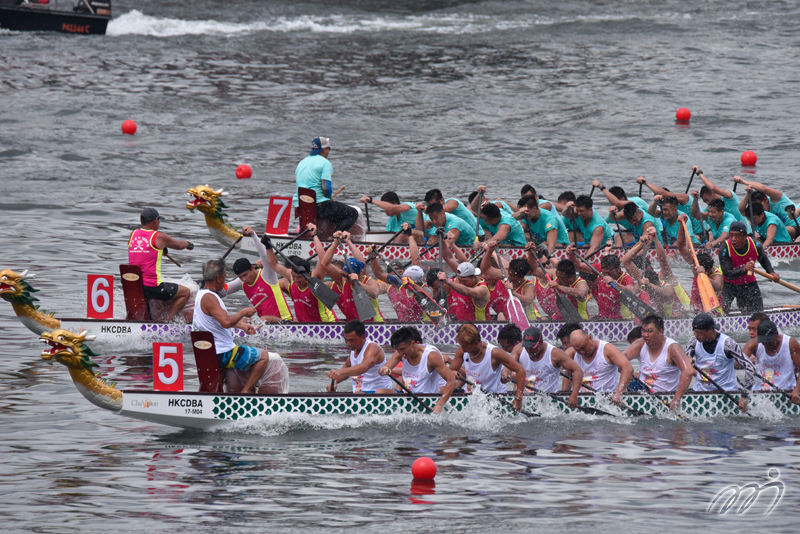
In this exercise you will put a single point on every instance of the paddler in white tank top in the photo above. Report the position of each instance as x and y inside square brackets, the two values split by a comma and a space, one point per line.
[424, 368]
[363, 364]
[483, 363]
[604, 367]
[776, 357]
[663, 365]
[542, 361]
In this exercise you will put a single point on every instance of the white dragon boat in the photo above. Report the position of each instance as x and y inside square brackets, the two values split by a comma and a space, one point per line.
[15, 289]
[208, 201]
[209, 410]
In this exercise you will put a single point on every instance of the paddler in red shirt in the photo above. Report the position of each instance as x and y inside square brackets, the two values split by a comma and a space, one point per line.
[608, 302]
[737, 258]
[467, 295]
[146, 246]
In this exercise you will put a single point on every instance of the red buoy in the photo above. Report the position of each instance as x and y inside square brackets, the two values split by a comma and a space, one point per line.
[749, 158]
[129, 127]
[683, 114]
[423, 469]
[244, 171]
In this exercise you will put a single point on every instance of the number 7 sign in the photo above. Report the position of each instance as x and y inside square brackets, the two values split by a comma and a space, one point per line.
[278, 215]
[167, 367]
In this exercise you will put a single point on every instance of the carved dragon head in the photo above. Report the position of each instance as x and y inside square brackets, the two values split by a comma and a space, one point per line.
[68, 348]
[14, 288]
[207, 201]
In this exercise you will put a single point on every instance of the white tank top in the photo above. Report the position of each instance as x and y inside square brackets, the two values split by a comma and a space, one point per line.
[483, 374]
[418, 379]
[223, 339]
[371, 380]
[778, 369]
[716, 365]
[659, 375]
[541, 375]
[599, 374]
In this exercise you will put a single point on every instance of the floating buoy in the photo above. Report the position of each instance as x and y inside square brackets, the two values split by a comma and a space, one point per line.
[244, 171]
[129, 127]
[683, 114]
[423, 468]
[749, 158]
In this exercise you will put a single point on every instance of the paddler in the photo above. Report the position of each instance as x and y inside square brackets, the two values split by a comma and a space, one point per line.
[307, 307]
[260, 283]
[516, 283]
[715, 354]
[719, 220]
[777, 358]
[400, 291]
[775, 202]
[463, 233]
[604, 367]
[146, 246]
[770, 228]
[250, 367]
[483, 364]
[493, 278]
[424, 368]
[706, 266]
[467, 295]
[573, 286]
[350, 273]
[592, 228]
[635, 221]
[543, 364]
[667, 209]
[711, 191]
[454, 207]
[609, 305]
[737, 258]
[684, 205]
[398, 213]
[364, 363]
[543, 225]
[663, 365]
[315, 172]
[501, 226]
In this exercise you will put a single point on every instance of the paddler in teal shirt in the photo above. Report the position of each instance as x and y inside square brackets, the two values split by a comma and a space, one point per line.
[504, 228]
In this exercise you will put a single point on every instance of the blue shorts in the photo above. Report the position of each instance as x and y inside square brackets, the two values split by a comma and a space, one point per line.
[239, 357]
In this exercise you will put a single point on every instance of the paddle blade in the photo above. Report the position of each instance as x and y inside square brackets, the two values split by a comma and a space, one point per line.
[435, 313]
[567, 309]
[363, 303]
[707, 294]
[516, 313]
[326, 295]
[637, 306]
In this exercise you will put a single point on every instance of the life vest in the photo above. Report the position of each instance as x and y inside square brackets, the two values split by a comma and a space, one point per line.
[739, 260]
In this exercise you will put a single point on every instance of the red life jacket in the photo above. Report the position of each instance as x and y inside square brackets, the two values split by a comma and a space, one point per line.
[739, 260]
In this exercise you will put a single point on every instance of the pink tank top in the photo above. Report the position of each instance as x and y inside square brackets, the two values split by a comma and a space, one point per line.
[463, 307]
[402, 298]
[307, 308]
[275, 304]
[142, 251]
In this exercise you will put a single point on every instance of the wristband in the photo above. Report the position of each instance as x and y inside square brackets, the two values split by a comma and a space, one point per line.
[190, 246]
[602, 188]
[369, 200]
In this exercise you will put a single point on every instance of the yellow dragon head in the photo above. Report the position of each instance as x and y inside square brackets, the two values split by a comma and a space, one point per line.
[68, 348]
[207, 201]
[14, 288]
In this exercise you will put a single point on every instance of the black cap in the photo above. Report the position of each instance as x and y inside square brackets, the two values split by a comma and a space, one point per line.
[767, 331]
[703, 321]
[149, 215]
[531, 337]
[738, 226]
[242, 265]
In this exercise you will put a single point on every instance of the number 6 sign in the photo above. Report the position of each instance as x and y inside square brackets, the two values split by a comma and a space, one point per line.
[100, 303]
[167, 367]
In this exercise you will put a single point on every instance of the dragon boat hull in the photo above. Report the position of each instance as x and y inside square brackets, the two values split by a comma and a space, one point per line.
[212, 411]
[305, 248]
[36, 20]
[332, 333]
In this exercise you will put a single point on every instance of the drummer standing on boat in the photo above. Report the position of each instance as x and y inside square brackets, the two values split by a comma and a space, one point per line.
[315, 172]
[777, 359]
[737, 259]
[364, 363]
[146, 246]
[715, 354]
[424, 368]
[663, 365]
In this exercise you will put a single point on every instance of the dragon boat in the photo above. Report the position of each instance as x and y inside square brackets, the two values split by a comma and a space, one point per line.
[208, 201]
[209, 410]
[87, 17]
[15, 288]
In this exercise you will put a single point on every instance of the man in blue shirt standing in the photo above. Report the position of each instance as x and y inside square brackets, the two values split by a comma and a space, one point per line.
[315, 173]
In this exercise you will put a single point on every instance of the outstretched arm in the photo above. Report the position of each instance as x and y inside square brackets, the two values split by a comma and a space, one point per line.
[683, 198]
[619, 204]
[727, 193]
[773, 194]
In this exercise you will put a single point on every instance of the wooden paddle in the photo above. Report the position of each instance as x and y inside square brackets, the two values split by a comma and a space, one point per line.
[478, 224]
[362, 300]
[166, 255]
[727, 395]
[366, 215]
[408, 391]
[637, 306]
[781, 282]
[689, 186]
[514, 308]
[231, 248]
[337, 192]
[707, 294]
[318, 288]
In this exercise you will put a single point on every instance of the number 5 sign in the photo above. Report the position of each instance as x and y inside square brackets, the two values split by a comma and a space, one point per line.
[100, 303]
[167, 367]
[278, 215]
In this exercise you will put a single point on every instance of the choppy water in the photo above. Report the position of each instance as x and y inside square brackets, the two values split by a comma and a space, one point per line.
[451, 94]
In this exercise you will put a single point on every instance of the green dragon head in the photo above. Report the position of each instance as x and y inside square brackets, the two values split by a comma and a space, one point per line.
[14, 288]
[207, 201]
[68, 348]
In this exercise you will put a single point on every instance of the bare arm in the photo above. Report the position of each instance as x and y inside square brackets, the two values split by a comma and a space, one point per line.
[679, 358]
[436, 363]
[501, 357]
[486, 262]
[210, 306]
[773, 194]
[560, 359]
[614, 356]
[683, 198]
[163, 240]
[391, 210]
[727, 193]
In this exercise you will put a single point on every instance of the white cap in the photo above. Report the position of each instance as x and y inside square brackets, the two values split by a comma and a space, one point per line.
[465, 269]
[415, 273]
